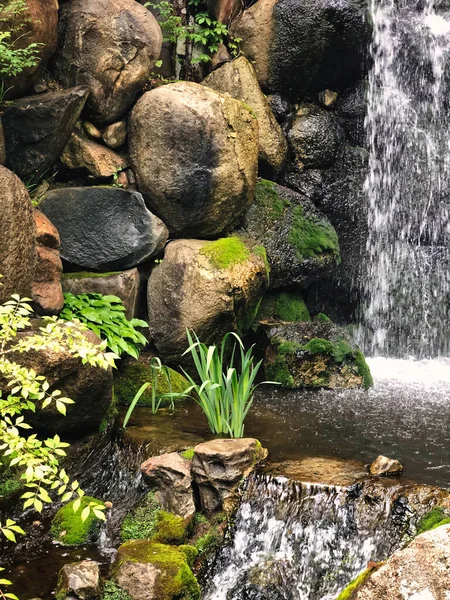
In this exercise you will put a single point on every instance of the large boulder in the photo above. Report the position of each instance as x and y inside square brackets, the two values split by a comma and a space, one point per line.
[302, 245]
[125, 285]
[18, 237]
[301, 47]
[238, 79]
[104, 228]
[312, 355]
[37, 129]
[419, 572]
[37, 24]
[99, 161]
[316, 137]
[195, 156]
[89, 387]
[46, 290]
[208, 287]
[109, 45]
[218, 467]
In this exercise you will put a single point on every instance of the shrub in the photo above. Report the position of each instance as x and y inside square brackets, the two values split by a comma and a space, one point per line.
[105, 316]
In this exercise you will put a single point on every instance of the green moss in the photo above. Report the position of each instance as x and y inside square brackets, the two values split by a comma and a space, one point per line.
[278, 371]
[177, 581]
[134, 374]
[319, 346]
[435, 518]
[363, 369]
[267, 197]
[190, 553]
[347, 593]
[188, 454]
[89, 275]
[9, 480]
[111, 414]
[111, 591]
[312, 236]
[209, 542]
[284, 306]
[68, 528]
[226, 252]
[321, 318]
[170, 528]
[287, 347]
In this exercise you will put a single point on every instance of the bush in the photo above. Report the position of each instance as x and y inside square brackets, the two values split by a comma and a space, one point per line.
[105, 316]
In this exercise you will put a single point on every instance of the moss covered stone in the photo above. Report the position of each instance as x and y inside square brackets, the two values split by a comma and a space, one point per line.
[268, 198]
[347, 592]
[284, 306]
[433, 519]
[176, 579]
[226, 252]
[321, 318]
[111, 591]
[67, 527]
[89, 275]
[133, 375]
[311, 235]
[188, 454]
[190, 553]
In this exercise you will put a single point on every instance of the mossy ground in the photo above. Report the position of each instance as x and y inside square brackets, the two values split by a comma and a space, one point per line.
[347, 593]
[284, 306]
[134, 374]
[312, 236]
[177, 581]
[226, 252]
[433, 519]
[68, 528]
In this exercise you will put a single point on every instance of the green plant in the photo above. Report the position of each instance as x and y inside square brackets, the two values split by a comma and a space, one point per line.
[111, 591]
[24, 390]
[105, 316]
[13, 60]
[157, 370]
[224, 395]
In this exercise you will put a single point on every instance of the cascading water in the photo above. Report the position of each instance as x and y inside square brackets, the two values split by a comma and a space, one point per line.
[295, 541]
[407, 287]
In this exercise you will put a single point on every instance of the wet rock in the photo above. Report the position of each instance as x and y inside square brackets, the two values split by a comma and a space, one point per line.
[328, 98]
[37, 129]
[149, 571]
[419, 572]
[301, 244]
[313, 355]
[316, 137]
[170, 475]
[301, 47]
[238, 79]
[104, 228]
[351, 109]
[384, 466]
[115, 134]
[110, 46]
[38, 24]
[218, 467]
[318, 469]
[83, 153]
[212, 142]
[281, 107]
[125, 285]
[220, 57]
[208, 287]
[18, 237]
[224, 11]
[46, 289]
[89, 387]
[80, 580]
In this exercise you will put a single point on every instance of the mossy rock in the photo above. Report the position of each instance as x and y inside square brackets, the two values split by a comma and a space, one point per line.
[111, 591]
[133, 375]
[225, 253]
[313, 355]
[284, 306]
[433, 519]
[149, 522]
[301, 244]
[348, 592]
[89, 275]
[67, 527]
[176, 579]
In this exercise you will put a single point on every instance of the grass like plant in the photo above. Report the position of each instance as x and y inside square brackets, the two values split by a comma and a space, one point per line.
[224, 394]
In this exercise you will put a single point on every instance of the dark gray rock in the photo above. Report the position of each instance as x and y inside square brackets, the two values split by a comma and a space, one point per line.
[37, 129]
[281, 107]
[104, 228]
[301, 244]
[351, 109]
[316, 137]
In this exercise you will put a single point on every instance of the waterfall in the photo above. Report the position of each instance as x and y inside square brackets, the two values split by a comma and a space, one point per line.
[294, 541]
[406, 293]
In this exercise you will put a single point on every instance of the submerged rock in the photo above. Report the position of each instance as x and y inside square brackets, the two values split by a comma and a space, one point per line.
[37, 129]
[195, 156]
[208, 287]
[313, 355]
[110, 46]
[384, 466]
[80, 580]
[218, 467]
[301, 244]
[238, 79]
[104, 228]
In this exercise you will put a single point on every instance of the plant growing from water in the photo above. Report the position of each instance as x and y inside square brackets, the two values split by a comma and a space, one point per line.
[105, 316]
[224, 394]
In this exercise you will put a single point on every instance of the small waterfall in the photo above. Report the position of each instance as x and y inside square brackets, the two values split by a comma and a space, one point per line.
[294, 541]
[406, 305]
